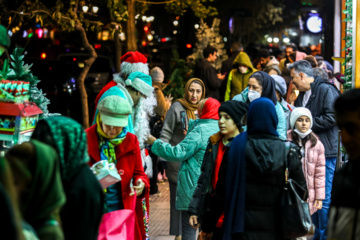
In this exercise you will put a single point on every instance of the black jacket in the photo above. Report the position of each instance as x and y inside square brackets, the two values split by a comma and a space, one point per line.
[320, 104]
[226, 67]
[345, 202]
[204, 189]
[207, 73]
[265, 170]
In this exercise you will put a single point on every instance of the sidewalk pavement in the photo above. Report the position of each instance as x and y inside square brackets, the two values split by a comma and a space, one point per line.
[160, 214]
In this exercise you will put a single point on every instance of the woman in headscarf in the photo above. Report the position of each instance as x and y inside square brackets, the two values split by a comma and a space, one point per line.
[83, 210]
[10, 218]
[251, 179]
[109, 140]
[262, 85]
[189, 153]
[174, 131]
[36, 170]
[231, 120]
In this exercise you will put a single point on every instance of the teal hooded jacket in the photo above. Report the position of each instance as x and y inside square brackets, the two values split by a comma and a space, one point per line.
[190, 153]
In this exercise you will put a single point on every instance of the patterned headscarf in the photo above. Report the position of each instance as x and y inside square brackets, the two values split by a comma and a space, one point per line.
[67, 137]
[107, 146]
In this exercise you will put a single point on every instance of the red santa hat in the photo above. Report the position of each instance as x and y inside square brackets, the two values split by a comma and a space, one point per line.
[133, 62]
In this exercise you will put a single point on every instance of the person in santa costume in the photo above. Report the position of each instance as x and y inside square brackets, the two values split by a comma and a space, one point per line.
[109, 139]
[135, 86]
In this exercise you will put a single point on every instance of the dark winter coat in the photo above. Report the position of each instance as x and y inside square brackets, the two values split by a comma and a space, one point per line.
[264, 182]
[207, 73]
[204, 188]
[345, 203]
[320, 104]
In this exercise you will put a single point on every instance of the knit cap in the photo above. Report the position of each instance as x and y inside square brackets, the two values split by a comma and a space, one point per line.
[157, 74]
[280, 84]
[141, 82]
[235, 109]
[132, 62]
[114, 111]
[298, 112]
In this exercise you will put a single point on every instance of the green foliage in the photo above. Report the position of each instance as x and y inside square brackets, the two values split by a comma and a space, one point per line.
[178, 78]
[348, 46]
[21, 72]
[6, 71]
[199, 7]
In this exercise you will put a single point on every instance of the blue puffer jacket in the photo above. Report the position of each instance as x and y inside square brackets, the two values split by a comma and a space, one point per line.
[281, 127]
[190, 152]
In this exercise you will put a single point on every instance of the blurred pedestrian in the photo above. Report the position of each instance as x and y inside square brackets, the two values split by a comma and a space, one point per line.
[11, 223]
[227, 66]
[344, 219]
[238, 77]
[36, 170]
[173, 132]
[231, 120]
[290, 48]
[156, 124]
[280, 90]
[190, 152]
[110, 140]
[85, 197]
[207, 73]
[251, 180]
[262, 85]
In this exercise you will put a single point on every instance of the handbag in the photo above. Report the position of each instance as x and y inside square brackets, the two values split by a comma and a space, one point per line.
[295, 212]
[118, 224]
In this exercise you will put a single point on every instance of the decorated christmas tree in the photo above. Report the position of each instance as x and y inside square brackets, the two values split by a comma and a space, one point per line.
[209, 37]
[17, 70]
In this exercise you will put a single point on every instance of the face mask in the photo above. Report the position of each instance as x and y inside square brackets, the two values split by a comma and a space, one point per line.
[302, 135]
[243, 70]
[252, 95]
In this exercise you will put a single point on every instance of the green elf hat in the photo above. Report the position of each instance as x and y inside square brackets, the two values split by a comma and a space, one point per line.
[141, 82]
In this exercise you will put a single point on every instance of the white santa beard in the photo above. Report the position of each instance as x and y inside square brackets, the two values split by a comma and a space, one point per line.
[141, 117]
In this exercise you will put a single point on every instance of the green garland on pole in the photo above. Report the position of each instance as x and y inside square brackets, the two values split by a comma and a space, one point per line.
[348, 45]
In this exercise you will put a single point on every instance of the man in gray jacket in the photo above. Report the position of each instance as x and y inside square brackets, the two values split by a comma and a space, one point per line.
[319, 96]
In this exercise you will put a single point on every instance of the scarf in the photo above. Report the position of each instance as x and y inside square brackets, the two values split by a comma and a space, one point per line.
[262, 117]
[268, 87]
[210, 109]
[67, 137]
[190, 107]
[234, 212]
[44, 195]
[106, 145]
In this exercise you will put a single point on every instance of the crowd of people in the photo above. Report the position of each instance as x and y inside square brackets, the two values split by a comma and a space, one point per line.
[224, 147]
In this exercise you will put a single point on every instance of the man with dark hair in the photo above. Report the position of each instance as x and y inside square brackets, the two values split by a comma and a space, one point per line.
[290, 48]
[344, 219]
[264, 57]
[207, 73]
[227, 65]
[319, 96]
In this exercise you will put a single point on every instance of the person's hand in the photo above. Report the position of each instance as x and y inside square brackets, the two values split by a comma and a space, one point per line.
[193, 220]
[205, 236]
[318, 204]
[150, 139]
[221, 77]
[138, 189]
[169, 98]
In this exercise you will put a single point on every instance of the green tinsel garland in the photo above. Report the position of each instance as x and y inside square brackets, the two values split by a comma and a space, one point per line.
[348, 46]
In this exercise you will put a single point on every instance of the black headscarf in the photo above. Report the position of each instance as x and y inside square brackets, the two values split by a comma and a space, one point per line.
[268, 86]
